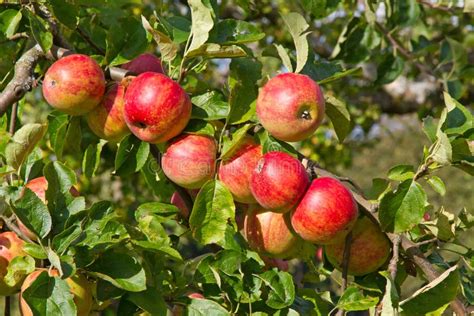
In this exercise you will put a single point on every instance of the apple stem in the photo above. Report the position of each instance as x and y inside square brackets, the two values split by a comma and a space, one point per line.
[345, 267]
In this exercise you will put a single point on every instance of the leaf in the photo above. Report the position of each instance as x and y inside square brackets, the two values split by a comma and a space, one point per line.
[337, 111]
[272, 144]
[150, 300]
[120, 269]
[33, 213]
[391, 298]
[204, 307]
[131, 156]
[437, 184]
[60, 179]
[49, 296]
[40, 32]
[209, 106]
[35, 250]
[315, 7]
[429, 128]
[285, 58]
[389, 70]
[378, 188]
[18, 268]
[230, 144]
[213, 208]
[22, 143]
[65, 12]
[454, 53]
[298, 29]
[402, 209]
[230, 31]
[202, 22]
[91, 160]
[354, 300]
[445, 229]
[213, 50]
[168, 47]
[341, 74]
[401, 172]
[10, 21]
[456, 119]
[57, 129]
[442, 151]
[282, 288]
[434, 295]
[127, 40]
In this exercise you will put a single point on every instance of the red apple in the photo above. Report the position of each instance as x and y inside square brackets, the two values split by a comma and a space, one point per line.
[279, 181]
[74, 84]
[290, 106]
[11, 246]
[107, 120]
[177, 200]
[370, 249]
[326, 213]
[275, 263]
[319, 254]
[236, 171]
[78, 285]
[196, 295]
[143, 63]
[38, 186]
[269, 233]
[189, 160]
[156, 108]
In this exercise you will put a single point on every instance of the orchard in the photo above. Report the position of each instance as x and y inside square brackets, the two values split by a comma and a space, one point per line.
[219, 157]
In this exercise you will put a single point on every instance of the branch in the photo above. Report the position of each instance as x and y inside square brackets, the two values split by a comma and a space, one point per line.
[43, 12]
[392, 267]
[345, 266]
[14, 228]
[22, 80]
[437, 7]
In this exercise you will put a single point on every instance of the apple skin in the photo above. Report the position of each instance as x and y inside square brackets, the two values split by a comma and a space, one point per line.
[79, 287]
[236, 171]
[269, 233]
[326, 213]
[74, 84]
[177, 200]
[156, 108]
[189, 160]
[11, 246]
[38, 186]
[290, 106]
[143, 63]
[370, 249]
[278, 181]
[107, 120]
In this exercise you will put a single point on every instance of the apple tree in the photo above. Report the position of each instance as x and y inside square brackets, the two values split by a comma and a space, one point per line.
[188, 157]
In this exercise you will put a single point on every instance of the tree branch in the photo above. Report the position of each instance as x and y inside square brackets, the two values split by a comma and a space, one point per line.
[43, 12]
[345, 266]
[392, 267]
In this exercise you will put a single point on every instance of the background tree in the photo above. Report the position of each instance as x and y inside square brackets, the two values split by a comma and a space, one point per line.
[395, 76]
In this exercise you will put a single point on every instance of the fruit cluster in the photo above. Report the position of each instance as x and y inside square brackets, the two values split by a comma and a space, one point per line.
[282, 207]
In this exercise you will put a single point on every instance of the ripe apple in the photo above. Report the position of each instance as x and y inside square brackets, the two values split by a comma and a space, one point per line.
[196, 295]
[370, 249]
[236, 171]
[107, 120]
[11, 246]
[278, 181]
[269, 233]
[290, 106]
[326, 213]
[38, 186]
[78, 285]
[156, 108]
[143, 63]
[74, 84]
[189, 160]
[178, 201]
[275, 263]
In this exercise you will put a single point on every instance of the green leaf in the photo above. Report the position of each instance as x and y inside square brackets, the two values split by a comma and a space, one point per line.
[168, 47]
[282, 288]
[35, 250]
[272, 144]
[204, 307]
[212, 50]
[131, 156]
[244, 74]
[202, 22]
[456, 119]
[445, 229]
[378, 188]
[65, 12]
[33, 213]
[22, 143]
[91, 160]
[213, 208]
[389, 70]
[442, 151]
[50, 296]
[434, 295]
[454, 53]
[341, 74]
[199, 127]
[60, 179]
[181, 27]
[298, 28]
[230, 144]
[126, 41]
[40, 32]
[391, 298]
[337, 111]
[230, 31]
[57, 129]
[437, 184]
[150, 301]
[209, 106]
[401, 172]
[429, 127]
[402, 209]
[18, 269]
[354, 300]
[321, 306]
[285, 58]
[315, 7]
[10, 21]
[120, 269]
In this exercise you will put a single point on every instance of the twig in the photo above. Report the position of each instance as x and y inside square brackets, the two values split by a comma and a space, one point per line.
[345, 267]
[89, 41]
[43, 12]
[181, 191]
[22, 80]
[425, 242]
[14, 228]
[392, 267]
[15, 37]
[12, 127]
[436, 6]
